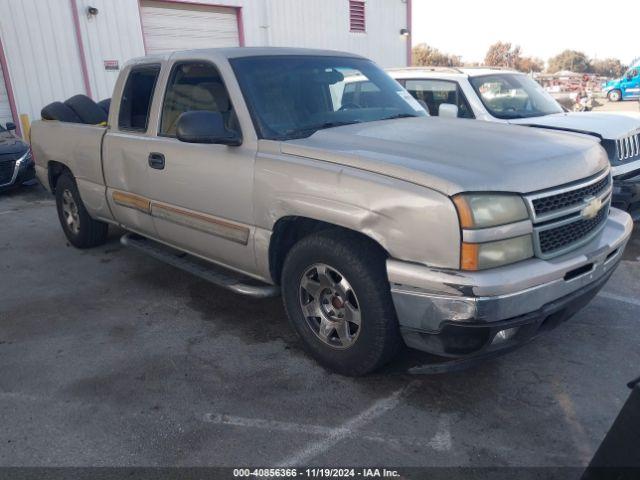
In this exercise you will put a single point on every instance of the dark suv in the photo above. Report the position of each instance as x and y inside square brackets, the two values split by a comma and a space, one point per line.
[16, 162]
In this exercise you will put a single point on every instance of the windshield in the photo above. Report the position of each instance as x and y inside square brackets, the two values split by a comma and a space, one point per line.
[510, 95]
[295, 96]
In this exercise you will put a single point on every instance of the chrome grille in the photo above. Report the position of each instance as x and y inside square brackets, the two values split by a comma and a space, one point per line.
[570, 198]
[558, 238]
[628, 147]
[6, 172]
[567, 217]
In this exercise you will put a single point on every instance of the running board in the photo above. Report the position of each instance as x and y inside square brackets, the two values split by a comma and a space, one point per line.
[236, 282]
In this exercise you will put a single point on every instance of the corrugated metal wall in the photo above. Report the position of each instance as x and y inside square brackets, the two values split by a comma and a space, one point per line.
[39, 38]
[42, 52]
[113, 34]
[5, 108]
[325, 24]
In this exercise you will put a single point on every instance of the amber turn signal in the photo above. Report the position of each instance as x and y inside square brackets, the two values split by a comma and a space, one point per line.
[469, 256]
[464, 212]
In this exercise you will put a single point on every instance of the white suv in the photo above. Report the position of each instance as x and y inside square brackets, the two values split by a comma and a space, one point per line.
[513, 97]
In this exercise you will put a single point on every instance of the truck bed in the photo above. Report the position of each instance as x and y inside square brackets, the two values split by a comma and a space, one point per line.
[79, 147]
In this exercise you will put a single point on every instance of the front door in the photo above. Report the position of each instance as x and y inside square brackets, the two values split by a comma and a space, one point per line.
[631, 84]
[202, 198]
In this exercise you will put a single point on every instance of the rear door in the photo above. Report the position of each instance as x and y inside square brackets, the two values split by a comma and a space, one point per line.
[126, 151]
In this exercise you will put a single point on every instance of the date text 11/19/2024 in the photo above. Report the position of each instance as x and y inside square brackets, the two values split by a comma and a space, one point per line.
[316, 472]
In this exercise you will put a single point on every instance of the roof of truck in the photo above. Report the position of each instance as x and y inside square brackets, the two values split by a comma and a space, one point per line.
[237, 52]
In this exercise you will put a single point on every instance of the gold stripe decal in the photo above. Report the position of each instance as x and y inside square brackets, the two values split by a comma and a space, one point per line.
[197, 221]
[202, 223]
[132, 201]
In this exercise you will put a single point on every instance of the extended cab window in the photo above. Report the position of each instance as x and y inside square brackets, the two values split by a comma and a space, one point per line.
[137, 97]
[436, 92]
[194, 86]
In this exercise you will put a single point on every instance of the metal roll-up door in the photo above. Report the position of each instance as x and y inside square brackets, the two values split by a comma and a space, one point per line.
[171, 26]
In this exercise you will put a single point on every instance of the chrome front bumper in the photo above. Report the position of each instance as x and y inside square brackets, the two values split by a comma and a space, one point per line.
[428, 300]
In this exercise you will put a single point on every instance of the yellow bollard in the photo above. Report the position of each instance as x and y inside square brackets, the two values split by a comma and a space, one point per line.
[26, 127]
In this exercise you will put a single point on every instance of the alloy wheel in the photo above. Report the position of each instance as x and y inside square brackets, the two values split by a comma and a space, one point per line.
[70, 212]
[330, 306]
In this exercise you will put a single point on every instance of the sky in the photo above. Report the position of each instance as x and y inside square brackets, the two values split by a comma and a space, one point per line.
[543, 28]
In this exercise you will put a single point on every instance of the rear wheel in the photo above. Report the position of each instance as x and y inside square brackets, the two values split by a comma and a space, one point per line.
[81, 230]
[337, 297]
[614, 96]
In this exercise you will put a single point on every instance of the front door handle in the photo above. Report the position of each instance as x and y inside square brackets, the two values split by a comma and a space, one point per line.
[156, 160]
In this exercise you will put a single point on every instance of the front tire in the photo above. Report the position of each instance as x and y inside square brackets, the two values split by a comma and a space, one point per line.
[81, 230]
[337, 298]
[614, 95]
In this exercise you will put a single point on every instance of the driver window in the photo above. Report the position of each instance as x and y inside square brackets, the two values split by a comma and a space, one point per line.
[194, 86]
[436, 92]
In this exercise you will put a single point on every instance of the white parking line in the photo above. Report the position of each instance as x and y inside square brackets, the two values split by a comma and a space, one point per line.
[379, 408]
[331, 436]
[441, 441]
[620, 298]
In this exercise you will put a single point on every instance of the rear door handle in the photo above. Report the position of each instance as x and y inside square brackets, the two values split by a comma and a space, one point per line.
[156, 160]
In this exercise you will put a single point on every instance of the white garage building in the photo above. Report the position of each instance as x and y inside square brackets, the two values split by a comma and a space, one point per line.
[53, 49]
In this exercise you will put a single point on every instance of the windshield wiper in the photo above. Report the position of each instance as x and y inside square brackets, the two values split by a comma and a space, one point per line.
[310, 130]
[400, 115]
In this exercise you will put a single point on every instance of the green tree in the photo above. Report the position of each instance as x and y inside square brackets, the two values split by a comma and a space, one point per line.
[502, 54]
[529, 64]
[424, 55]
[571, 60]
[608, 67]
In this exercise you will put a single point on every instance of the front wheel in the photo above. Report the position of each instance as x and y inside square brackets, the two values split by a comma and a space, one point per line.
[614, 96]
[338, 299]
[81, 230]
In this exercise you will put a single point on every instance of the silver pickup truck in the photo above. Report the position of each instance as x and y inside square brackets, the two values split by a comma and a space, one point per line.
[380, 225]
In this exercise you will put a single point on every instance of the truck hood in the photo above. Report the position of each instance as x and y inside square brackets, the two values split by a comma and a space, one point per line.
[454, 155]
[606, 125]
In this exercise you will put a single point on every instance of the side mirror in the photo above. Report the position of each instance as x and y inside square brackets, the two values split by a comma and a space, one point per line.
[11, 126]
[206, 127]
[448, 110]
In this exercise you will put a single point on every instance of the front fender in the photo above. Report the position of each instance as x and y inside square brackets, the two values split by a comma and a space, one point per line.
[411, 222]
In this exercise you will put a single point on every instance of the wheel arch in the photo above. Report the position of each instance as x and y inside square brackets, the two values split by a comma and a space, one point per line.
[54, 170]
[290, 229]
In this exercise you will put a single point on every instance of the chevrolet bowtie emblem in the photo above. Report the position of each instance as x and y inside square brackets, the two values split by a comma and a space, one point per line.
[593, 207]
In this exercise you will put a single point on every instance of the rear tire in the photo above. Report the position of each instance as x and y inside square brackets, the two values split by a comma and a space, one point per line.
[81, 230]
[614, 95]
[330, 280]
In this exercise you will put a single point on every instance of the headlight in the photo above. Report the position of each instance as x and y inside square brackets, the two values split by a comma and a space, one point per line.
[26, 158]
[489, 210]
[480, 256]
[496, 230]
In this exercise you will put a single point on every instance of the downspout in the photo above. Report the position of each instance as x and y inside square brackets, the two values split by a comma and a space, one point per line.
[83, 58]
[7, 84]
